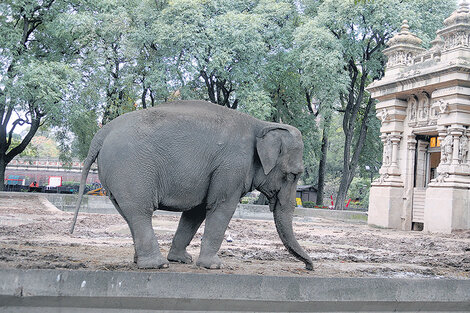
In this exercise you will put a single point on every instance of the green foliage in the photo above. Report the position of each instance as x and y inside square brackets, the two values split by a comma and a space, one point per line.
[248, 200]
[222, 47]
[359, 190]
[37, 81]
[312, 205]
[44, 147]
[84, 127]
[30, 151]
[321, 62]
[73, 65]
[308, 204]
[352, 35]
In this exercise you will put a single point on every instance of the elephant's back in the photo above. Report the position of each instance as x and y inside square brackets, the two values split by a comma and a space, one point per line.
[186, 141]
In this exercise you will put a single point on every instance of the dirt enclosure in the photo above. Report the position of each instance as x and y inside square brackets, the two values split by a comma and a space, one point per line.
[34, 234]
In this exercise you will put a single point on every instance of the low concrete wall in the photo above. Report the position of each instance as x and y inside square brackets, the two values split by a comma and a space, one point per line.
[90, 204]
[78, 291]
[253, 211]
[350, 216]
[100, 204]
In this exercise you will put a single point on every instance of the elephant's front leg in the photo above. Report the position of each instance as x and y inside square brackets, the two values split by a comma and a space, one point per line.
[217, 221]
[187, 228]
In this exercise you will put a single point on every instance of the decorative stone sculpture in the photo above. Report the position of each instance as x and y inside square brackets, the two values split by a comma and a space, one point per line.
[412, 103]
[384, 115]
[463, 149]
[442, 106]
[442, 177]
[388, 151]
[446, 149]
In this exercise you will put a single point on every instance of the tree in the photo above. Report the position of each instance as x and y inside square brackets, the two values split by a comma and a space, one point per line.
[322, 81]
[220, 48]
[33, 77]
[151, 69]
[122, 68]
[361, 29]
[107, 60]
[283, 82]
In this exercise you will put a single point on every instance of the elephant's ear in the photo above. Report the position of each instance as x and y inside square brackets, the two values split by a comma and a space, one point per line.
[268, 145]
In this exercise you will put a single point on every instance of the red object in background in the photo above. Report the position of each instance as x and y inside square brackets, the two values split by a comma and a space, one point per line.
[348, 203]
[331, 197]
[34, 184]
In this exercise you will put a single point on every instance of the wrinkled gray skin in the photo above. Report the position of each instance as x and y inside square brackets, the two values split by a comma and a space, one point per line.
[197, 158]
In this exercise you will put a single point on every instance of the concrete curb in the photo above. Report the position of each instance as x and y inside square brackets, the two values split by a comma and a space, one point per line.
[72, 291]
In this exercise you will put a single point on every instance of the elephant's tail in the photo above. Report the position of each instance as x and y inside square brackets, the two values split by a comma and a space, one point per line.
[93, 152]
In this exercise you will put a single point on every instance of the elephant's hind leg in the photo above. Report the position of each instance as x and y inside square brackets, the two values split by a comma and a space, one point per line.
[146, 243]
[116, 205]
[187, 228]
[138, 215]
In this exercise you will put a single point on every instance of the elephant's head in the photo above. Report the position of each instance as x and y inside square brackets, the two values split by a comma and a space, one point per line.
[280, 149]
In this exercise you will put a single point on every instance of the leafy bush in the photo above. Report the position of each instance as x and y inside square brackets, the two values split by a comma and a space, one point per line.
[312, 205]
[308, 204]
[244, 200]
[247, 200]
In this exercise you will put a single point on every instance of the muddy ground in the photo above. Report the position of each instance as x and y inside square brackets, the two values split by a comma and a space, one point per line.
[34, 234]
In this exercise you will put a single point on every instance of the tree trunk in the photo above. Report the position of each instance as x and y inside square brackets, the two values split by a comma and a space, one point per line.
[343, 190]
[152, 99]
[6, 158]
[322, 165]
[144, 95]
[2, 175]
[350, 162]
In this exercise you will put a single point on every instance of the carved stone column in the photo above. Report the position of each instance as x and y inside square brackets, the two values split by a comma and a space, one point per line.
[465, 144]
[454, 168]
[408, 183]
[387, 151]
[456, 132]
[390, 173]
[395, 138]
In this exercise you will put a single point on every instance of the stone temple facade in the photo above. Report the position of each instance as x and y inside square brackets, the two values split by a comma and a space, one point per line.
[424, 106]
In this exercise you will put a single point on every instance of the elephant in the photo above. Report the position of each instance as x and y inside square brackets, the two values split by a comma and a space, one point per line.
[197, 158]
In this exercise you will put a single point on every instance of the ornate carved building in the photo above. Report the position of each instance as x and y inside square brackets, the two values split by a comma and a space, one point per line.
[424, 106]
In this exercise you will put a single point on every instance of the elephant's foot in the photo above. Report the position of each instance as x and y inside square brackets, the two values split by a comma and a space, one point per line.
[213, 262]
[157, 261]
[180, 257]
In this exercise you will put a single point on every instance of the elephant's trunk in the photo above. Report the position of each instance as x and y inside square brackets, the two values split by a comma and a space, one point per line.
[283, 220]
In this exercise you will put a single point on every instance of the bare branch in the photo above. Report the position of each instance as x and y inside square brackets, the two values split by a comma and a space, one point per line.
[20, 122]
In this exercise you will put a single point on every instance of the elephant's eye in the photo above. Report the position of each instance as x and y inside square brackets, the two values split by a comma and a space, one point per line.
[290, 177]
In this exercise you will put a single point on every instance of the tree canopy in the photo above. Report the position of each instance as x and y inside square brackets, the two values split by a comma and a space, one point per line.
[75, 65]
[357, 33]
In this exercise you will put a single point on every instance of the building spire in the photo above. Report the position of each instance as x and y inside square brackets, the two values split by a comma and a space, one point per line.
[461, 15]
[403, 47]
